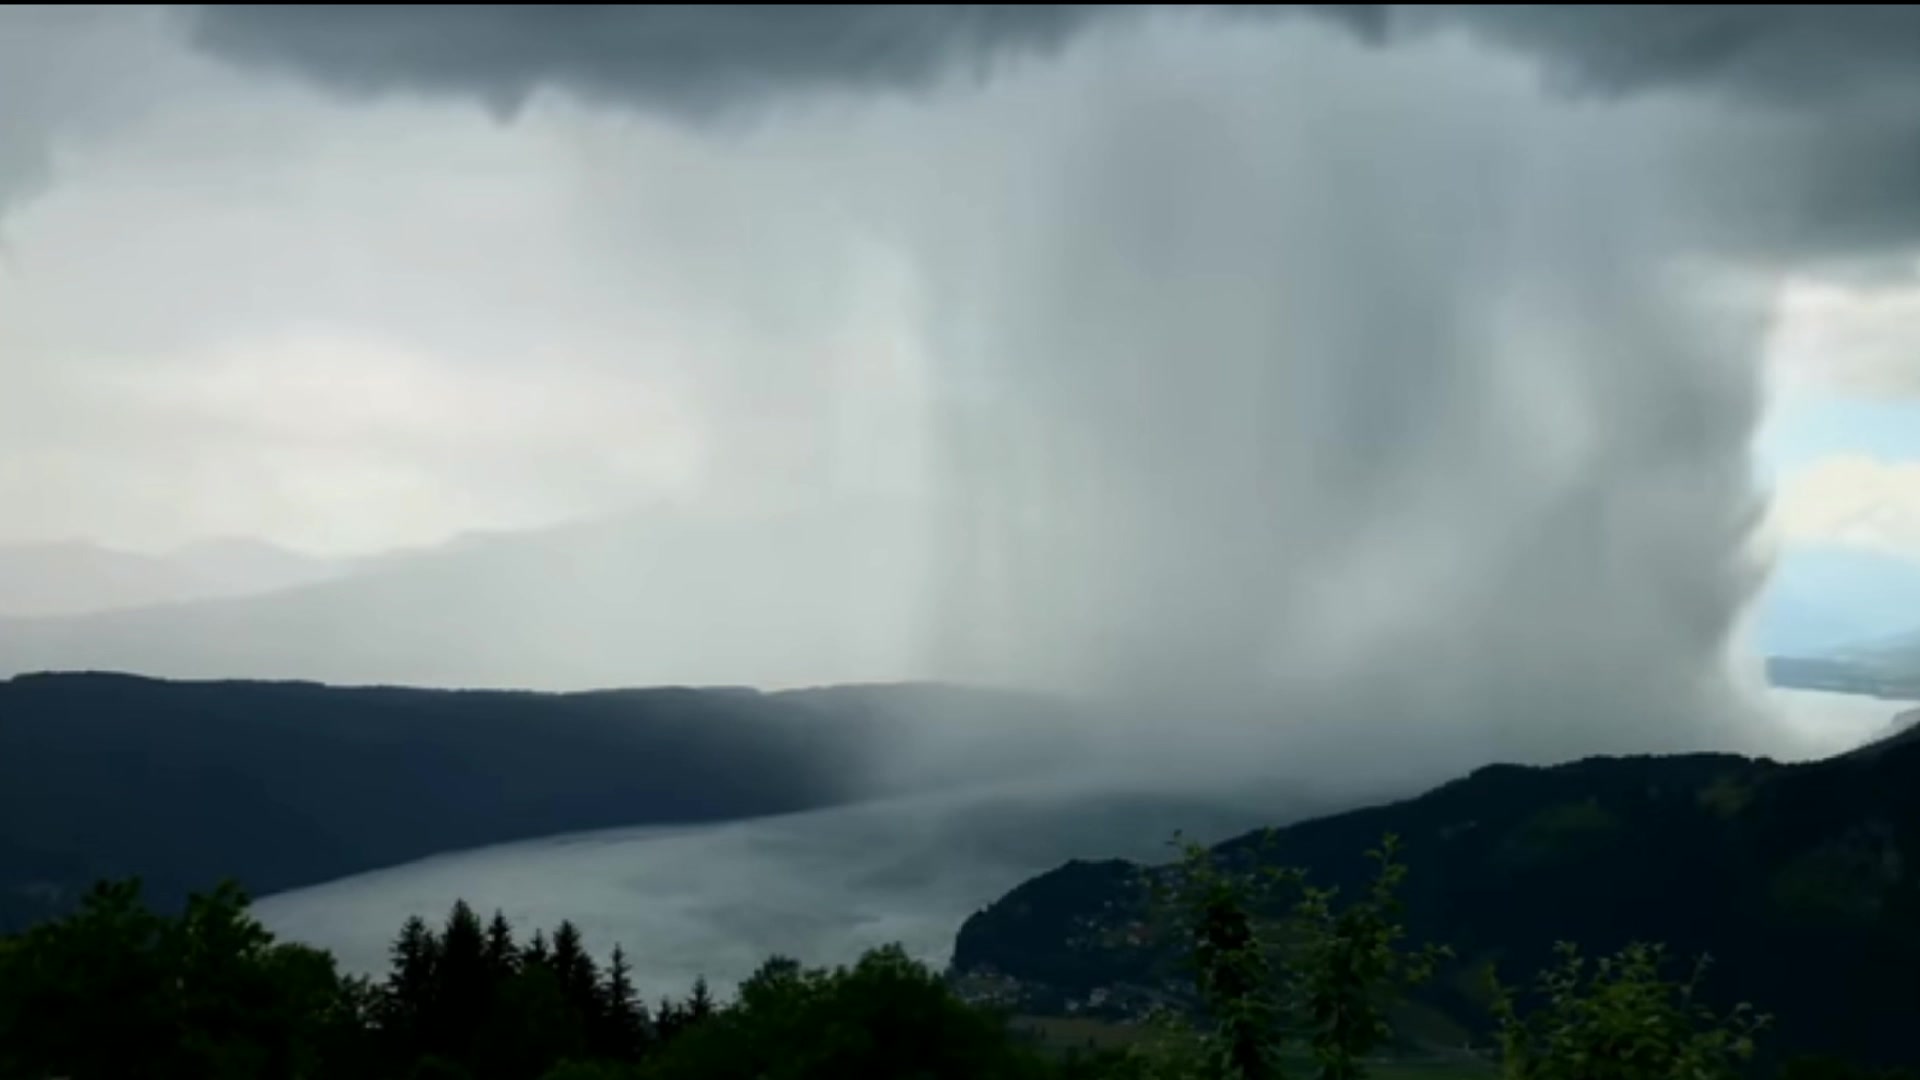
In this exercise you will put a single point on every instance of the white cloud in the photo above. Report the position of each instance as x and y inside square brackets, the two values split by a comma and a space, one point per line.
[1851, 500]
[1861, 337]
[354, 444]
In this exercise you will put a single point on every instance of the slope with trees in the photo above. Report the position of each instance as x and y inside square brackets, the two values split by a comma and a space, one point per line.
[1795, 879]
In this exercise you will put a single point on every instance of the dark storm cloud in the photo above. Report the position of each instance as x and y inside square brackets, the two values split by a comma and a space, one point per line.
[697, 57]
[1839, 179]
[1785, 53]
[686, 58]
[48, 85]
[1849, 73]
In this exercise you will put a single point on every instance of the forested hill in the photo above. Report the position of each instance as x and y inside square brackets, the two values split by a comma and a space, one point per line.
[1802, 882]
[285, 784]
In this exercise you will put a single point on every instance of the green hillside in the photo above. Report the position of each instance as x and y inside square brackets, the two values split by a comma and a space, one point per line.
[1800, 881]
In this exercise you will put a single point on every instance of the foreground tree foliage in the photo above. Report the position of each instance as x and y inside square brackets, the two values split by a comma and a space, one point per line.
[1620, 1019]
[1308, 992]
[885, 1016]
[1291, 982]
[117, 992]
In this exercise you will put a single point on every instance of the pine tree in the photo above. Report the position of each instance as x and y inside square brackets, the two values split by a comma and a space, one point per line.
[668, 1020]
[463, 942]
[406, 1000]
[576, 971]
[569, 955]
[462, 985]
[537, 953]
[700, 1003]
[622, 1032]
[502, 953]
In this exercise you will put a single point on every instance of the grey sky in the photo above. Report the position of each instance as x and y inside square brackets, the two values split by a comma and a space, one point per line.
[695, 58]
[1228, 354]
[243, 308]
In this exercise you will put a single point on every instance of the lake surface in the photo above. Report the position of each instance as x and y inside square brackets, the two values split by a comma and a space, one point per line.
[1826, 722]
[717, 900]
[822, 886]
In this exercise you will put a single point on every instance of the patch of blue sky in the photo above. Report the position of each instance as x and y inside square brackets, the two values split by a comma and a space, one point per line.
[1814, 427]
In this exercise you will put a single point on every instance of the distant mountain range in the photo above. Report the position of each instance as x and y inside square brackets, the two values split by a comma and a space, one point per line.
[1801, 881]
[1842, 620]
[1888, 668]
[79, 578]
[803, 598]
[1819, 600]
[287, 784]
[833, 593]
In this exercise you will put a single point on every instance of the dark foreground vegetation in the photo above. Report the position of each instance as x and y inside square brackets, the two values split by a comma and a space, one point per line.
[1802, 882]
[118, 992]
